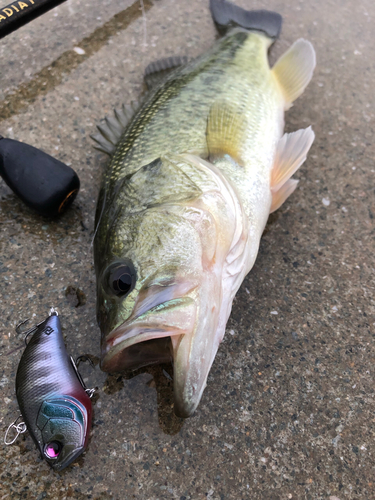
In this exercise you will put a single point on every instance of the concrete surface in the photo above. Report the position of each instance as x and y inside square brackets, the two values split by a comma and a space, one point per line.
[288, 412]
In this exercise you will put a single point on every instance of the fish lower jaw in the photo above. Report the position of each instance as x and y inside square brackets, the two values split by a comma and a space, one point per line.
[186, 402]
[126, 356]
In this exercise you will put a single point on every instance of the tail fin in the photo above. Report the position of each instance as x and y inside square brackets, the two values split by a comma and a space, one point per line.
[227, 15]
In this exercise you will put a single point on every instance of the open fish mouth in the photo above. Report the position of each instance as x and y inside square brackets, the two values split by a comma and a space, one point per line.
[169, 320]
[169, 332]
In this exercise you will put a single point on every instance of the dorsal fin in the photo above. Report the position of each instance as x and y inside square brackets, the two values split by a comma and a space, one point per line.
[113, 127]
[158, 70]
[225, 130]
[294, 70]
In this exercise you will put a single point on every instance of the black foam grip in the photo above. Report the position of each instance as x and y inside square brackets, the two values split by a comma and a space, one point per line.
[45, 184]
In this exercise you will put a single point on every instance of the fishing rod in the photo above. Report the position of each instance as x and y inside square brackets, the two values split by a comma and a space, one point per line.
[18, 13]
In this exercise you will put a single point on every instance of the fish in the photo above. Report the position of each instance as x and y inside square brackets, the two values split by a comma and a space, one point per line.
[195, 171]
[54, 403]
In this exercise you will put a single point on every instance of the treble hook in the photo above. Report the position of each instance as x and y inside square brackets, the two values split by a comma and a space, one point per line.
[20, 428]
[89, 392]
[33, 328]
[26, 332]
[18, 327]
[84, 358]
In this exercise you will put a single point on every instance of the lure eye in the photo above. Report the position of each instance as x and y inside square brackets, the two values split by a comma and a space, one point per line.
[121, 278]
[53, 449]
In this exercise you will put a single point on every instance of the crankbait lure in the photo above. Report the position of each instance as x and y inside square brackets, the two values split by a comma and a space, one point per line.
[54, 402]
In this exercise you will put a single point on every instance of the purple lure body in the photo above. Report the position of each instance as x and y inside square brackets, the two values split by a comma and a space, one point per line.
[53, 402]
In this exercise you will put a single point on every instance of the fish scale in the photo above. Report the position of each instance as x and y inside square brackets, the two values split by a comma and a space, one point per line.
[130, 155]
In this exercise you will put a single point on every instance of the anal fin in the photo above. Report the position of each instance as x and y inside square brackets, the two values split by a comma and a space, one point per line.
[294, 69]
[290, 154]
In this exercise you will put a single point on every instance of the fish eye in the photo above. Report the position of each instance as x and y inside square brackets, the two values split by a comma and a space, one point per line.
[53, 449]
[121, 278]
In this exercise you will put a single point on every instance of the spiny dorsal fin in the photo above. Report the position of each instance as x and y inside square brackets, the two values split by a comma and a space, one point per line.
[294, 70]
[158, 70]
[113, 127]
[290, 154]
[225, 130]
[101, 144]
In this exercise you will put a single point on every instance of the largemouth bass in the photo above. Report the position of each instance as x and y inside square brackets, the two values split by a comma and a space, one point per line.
[194, 175]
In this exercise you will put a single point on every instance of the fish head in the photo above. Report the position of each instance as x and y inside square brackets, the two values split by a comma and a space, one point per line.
[63, 425]
[161, 280]
[147, 291]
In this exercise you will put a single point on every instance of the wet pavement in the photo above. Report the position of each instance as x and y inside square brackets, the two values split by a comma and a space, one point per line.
[288, 412]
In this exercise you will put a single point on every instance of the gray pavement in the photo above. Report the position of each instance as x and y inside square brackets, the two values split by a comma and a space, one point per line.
[288, 412]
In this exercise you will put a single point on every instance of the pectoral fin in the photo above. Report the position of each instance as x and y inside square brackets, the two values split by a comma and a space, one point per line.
[294, 70]
[225, 131]
[290, 154]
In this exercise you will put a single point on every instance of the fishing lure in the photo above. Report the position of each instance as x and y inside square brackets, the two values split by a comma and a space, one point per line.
[55, 404]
